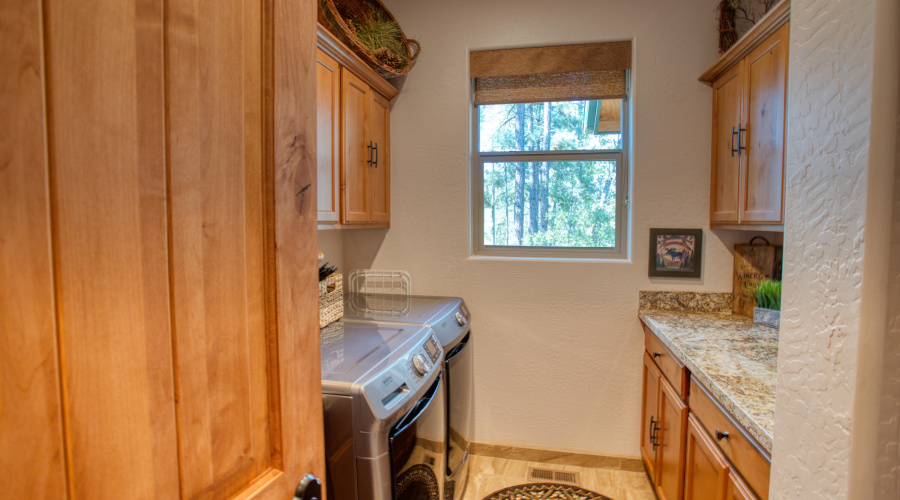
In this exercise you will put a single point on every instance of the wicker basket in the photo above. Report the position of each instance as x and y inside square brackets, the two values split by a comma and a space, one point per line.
[330, 11]
[331, 300]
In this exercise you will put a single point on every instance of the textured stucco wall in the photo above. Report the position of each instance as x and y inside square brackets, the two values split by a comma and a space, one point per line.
[558, 344]
[840, 163]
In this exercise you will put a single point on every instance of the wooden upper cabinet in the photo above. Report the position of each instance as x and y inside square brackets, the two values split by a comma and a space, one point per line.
[726, 178]
[765, 81]
[749, 100]
[355, 150]
[328, 137]
[706, 470]
[354, 163]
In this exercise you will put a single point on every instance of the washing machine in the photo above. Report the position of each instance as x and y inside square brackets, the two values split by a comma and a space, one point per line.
[385, 425]
[450, 320]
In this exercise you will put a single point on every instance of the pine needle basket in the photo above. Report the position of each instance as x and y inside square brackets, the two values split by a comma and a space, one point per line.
[333, 12]
[331, 300]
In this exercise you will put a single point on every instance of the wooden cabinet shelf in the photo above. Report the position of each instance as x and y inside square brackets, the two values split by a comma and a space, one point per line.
[749, 101]
[353, 140]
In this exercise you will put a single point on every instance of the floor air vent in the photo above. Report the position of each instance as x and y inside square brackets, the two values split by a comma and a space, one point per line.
[556, 476]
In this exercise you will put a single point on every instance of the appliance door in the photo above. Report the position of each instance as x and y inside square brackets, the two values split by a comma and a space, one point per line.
[417, 444]
[458, 371]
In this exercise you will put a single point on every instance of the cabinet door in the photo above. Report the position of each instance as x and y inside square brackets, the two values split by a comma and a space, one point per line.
[673, 415]
[650, 415]
[765, 81]
[726, 160]
[706, 471]
[737, 489]
[328, 137]
[380, 173]
[355, 151]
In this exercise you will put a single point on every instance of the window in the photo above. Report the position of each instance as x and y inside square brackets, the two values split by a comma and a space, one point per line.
[549, 168]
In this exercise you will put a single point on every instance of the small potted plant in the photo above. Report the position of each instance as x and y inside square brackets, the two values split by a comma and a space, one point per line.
[768, 302]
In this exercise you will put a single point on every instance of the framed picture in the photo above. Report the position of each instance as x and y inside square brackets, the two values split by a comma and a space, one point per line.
[676, 253]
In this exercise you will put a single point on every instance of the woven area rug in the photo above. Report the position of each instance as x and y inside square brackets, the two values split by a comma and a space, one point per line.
[544, 491]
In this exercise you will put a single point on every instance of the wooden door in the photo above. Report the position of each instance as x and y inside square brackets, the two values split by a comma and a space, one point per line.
[736, 489]
[670, 461]
[147, 336]
[650, 415]
[328, 137]
[355, 153]
[706, 469]
[765, 81]
[379, 134]
[726, 159]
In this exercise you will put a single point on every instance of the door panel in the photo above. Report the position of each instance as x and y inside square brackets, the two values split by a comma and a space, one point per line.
[328, 109]
[673, 421]
[649, 414]
[355, 154]
[214, 80]
[725, 188]
[765, 81]
[707, 469]
[108, 185]
[379, 134]
[31, 441]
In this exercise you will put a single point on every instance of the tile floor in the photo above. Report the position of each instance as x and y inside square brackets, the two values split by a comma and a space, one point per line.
[489, 474]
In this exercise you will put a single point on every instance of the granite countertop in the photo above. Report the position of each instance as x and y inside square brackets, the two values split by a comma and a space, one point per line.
[734, 359]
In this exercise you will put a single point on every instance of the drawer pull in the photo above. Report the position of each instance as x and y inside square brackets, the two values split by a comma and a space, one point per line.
[721, 435]
[657, 354]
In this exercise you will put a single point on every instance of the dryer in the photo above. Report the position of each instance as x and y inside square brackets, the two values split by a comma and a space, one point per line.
[450, 319]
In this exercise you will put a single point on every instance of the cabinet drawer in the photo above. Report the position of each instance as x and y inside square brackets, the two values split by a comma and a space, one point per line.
[751, 462]
[673, 370]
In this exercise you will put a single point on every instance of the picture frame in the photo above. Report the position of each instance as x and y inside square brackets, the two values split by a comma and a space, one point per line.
[675, 253]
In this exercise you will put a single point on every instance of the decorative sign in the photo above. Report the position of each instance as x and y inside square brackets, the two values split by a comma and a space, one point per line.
[675, 252]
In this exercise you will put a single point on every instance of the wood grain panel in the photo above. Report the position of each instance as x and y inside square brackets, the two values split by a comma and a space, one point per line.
[106, 133]
[554, 59]
[726, 121]
[380, 172]
[706, 470]
[31, 441]
[328, 137]
[736, 489]
[649, 414]
[355, 152]
[214, 92]
[765, 81]
[298, 357]
[673, 414]
[748, 458]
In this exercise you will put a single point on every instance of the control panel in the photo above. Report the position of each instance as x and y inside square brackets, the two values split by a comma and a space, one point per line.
[395, 385]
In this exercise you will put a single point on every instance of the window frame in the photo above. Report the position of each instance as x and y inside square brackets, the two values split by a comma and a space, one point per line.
[618, 252]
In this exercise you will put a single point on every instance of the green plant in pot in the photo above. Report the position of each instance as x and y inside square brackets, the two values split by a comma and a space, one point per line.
[768, 302]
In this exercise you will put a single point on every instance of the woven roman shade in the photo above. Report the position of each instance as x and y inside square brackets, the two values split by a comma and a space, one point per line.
[557, 73]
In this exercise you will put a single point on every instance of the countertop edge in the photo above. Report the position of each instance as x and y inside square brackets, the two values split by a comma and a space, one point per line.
[745, 420]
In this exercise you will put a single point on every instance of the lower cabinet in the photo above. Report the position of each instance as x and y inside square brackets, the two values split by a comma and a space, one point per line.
[662, 442]
[707, 471]
[691, 447]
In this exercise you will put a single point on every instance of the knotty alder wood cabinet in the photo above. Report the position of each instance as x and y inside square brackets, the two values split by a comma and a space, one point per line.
[749, 100]
[691, 448]
[353, 139]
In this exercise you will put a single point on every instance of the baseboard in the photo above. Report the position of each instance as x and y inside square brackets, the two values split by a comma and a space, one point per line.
[557, 457]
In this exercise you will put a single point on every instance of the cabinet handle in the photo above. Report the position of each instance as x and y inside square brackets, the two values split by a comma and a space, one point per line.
[375, 148]
[731, 145]
[721, 435]
[657, 354]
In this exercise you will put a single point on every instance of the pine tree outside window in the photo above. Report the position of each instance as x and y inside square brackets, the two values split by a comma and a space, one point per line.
[550, 135]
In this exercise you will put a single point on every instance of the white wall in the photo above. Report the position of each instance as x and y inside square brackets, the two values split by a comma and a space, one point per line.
[842, 128]
[558, 344]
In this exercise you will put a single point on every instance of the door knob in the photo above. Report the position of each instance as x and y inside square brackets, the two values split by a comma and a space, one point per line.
[309, 488]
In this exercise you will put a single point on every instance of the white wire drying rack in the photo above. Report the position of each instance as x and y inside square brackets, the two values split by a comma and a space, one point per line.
[386, 292]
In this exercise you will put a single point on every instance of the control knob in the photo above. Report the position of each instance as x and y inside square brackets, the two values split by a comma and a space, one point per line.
[460, 319]
[420, 364]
